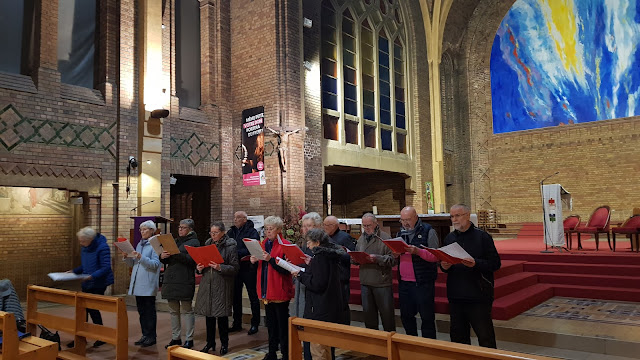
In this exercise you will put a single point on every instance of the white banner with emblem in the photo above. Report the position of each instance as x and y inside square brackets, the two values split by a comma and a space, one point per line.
[555, 198]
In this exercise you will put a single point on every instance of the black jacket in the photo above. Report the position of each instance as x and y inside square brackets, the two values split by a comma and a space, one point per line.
[245, 231]
[424, 271]
[472, 285]
[343, 239]
[323, 293]
[179, 281]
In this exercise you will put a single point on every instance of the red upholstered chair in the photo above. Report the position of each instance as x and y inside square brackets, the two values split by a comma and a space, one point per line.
[570, 225]
[630, 227]
[598, 224]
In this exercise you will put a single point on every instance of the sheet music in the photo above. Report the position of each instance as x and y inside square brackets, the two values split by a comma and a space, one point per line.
[65, 276]
[254, 247]
[155, 244]
[125, 247]
[456, 251]
[288, 266]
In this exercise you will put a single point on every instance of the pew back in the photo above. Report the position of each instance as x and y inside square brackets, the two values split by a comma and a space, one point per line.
[29, 348]
[37, 294]
[9, 336]
[177, 352]
[388, 344]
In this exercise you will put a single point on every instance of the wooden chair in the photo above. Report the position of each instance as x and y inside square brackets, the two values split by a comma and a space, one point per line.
[117, 336]
[177, 352]
[630, 227]
[570, 225]
[598, 224]
[29, 348]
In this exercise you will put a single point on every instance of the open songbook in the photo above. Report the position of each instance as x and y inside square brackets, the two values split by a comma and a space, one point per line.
[288, 266]
[397, 245]
[452, 253]
[164, 242]
[67, 276]
[361, 257]
[254, 247]
[205, 254]
[126, 247]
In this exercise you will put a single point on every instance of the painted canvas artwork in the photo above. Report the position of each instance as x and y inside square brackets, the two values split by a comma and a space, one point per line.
[558, 62]
[33, 201]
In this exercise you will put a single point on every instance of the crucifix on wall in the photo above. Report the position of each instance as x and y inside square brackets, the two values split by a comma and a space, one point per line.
[282, 135]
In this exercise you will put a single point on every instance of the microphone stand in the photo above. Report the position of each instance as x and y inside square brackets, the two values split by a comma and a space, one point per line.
[135, 208]
[544, 214]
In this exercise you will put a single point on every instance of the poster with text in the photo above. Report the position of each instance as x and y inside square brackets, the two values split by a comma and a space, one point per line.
[253, 147]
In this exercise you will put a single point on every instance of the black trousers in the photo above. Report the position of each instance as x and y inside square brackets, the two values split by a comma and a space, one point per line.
[95, 314]
[247, 276]
[418, 298]
[346, 294]
[277, 315]
[148, 317]
[477, 316]
[223, 328]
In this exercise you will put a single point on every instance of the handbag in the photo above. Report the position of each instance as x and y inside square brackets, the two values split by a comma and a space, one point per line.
[49, 335]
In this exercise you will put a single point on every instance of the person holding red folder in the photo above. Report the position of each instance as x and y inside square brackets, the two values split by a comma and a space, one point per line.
[215, 294]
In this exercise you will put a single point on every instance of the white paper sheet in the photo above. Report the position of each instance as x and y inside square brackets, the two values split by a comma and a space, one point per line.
[254, 247]
[456, 251]
[288, 266]
[64, 276]
[126, 247]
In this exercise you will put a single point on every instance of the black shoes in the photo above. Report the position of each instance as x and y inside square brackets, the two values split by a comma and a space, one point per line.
[148, 342]
[208, 347]
[71, 344]
[175, 342]
[139, 342]
[252, 330]
[235, 328]
[188, 344]
[224, 349]
[270, 356]
[98, 343]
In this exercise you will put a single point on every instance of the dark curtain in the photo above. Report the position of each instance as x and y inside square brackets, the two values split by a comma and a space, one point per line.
[188, 53]
[16, 35]
[77, 41]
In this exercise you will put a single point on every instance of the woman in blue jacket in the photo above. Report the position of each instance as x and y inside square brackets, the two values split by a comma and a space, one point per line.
[96, 262]
[144, 283]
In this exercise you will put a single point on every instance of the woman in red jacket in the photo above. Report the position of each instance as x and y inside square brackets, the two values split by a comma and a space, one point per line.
[275, 288]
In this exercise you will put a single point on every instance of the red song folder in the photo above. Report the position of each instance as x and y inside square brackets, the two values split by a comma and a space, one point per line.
[397, 245]
[294, 254]
[361, 257]
[205, 254]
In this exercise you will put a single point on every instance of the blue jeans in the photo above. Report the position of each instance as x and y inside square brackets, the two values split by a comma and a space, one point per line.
[418, 298]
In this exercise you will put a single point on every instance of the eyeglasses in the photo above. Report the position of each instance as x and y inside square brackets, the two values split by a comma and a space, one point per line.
[214, 233]
[270, 228]
[183, 227]
[367, 226]
[455, 216]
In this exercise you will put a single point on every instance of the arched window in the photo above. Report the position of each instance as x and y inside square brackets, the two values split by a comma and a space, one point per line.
[364, 74]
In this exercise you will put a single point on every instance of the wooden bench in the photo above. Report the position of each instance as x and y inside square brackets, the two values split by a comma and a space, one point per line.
[29, 348]
[387, 344]
[78, 325]
[177, 352]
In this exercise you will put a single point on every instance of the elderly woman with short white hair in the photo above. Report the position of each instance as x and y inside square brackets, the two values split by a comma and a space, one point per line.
[274, 287]
[144, 283]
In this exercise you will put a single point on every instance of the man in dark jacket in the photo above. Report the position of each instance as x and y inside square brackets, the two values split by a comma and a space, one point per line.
[179, 283]
[470, 284]
[95, 261]
[417, 271]
[243, 228]
[341, 238]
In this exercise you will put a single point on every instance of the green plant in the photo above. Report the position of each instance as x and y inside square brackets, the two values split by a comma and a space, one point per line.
[292, 222]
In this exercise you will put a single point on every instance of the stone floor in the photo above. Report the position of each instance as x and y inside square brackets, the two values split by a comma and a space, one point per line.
[561, 327]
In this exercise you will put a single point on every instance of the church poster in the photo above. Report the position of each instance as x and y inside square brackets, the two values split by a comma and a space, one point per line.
[253, 147]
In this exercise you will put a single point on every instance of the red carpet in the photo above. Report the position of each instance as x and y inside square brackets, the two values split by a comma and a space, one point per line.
[529, 277]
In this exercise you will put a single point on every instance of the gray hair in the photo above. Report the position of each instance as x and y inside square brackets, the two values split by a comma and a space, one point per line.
[370, 216]
[274, 221]
[149, 224]
[189, 223]
[464, 207]
[315, 217]
[318, 236]
[219, 225]
[86, 233]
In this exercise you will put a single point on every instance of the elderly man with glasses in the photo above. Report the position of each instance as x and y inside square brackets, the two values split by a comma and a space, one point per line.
[375, 277]
[470, 284]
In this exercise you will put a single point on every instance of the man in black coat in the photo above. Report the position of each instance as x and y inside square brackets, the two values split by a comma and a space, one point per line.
[243, 228]
[470, 284]
[341, 238]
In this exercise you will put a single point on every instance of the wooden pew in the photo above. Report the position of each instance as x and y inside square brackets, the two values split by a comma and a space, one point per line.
[177, 352]
[387, 344]
[118, 336]
[29, 348]
[36, 294]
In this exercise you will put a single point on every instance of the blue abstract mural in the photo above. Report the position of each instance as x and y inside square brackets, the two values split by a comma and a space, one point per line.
[557, 62]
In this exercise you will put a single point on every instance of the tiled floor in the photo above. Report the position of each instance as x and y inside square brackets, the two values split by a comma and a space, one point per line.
[561, 327]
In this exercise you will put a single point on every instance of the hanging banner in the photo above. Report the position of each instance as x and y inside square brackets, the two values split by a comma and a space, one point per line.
[253, 147]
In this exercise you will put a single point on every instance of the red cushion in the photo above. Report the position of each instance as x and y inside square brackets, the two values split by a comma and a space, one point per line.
[599, 218]
[591, 229]
[570, 223]
[625, 230]
[633, 222]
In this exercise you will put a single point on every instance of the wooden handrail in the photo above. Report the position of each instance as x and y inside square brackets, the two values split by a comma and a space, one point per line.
[177, 352]
[391, 345]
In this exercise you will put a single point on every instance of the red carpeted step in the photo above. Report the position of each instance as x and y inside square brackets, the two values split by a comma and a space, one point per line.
[594, 269]
[597, 292]
[624, 282]
[506, 307]
[513, 283]
[600, 257]
[442, 305]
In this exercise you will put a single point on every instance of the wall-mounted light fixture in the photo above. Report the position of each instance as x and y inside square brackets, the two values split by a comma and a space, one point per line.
[307, 65]
[160, 113]
[307, 23]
